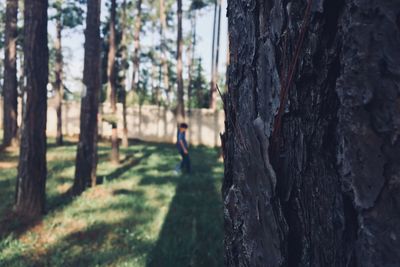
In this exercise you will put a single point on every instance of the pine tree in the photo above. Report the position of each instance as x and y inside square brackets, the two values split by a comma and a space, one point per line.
[31, 180]
[86, 157]
[10, 125]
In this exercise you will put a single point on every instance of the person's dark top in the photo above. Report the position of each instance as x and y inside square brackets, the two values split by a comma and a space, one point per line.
[181, 137]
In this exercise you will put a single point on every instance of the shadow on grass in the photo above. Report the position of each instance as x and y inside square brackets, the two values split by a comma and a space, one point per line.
[101, 243]
[66, 143]
[192, 231]
[117, 233]
[17, 225]
[8, 156]
[128, 163]
[61, 200]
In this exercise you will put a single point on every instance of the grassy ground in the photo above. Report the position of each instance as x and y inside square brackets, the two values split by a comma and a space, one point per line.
[141, 214]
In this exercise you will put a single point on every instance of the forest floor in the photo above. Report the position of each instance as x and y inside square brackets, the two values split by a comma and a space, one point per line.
[141, 214]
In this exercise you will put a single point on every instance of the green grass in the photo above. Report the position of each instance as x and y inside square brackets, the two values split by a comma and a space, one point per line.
[141, 215]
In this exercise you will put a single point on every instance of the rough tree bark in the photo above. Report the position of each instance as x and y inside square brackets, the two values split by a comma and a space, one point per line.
[318, 80]
[180, 108]
[10, 125]
[86, 157]
[59, 88]
[31, 180]
[112, 88]
[136, 44]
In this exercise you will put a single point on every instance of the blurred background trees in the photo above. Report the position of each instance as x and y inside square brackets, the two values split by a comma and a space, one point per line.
[135, 53]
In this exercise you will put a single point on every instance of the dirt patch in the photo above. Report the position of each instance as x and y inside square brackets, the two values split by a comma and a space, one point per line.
[63, 189]
[98, 192]
[43, 238]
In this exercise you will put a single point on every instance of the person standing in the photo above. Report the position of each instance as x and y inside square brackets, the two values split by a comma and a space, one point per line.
[183, 149]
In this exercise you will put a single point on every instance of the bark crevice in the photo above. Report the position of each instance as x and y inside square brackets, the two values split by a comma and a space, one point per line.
[337, 173]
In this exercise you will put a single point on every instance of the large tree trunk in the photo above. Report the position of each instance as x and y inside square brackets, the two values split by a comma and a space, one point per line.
[86, 157]
[59, 88]
[10, 126]
[320, 82]
[136, 44]
[180, 109]
[112, 89]
[31, 180]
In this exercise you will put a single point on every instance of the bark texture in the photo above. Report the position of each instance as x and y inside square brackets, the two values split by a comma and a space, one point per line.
[10, 75]
[31, 180]
[86, 158]
[319, 80]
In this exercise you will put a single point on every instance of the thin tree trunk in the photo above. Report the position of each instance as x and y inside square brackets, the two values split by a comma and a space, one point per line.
[153, 66]
[125, 142]
[191, 55]
[111, 84]
[86, 157]
[111, 88]
[10, 104]
[217, 48]
[320, 83]
[180, 109]
[212, 100]
[58, 74]
[189, 70]
[136, 44]
[164, 62]
[215, 75]
[114, 144]
[31, 179]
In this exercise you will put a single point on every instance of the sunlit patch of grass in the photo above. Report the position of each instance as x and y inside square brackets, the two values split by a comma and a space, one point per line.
[141, 215]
